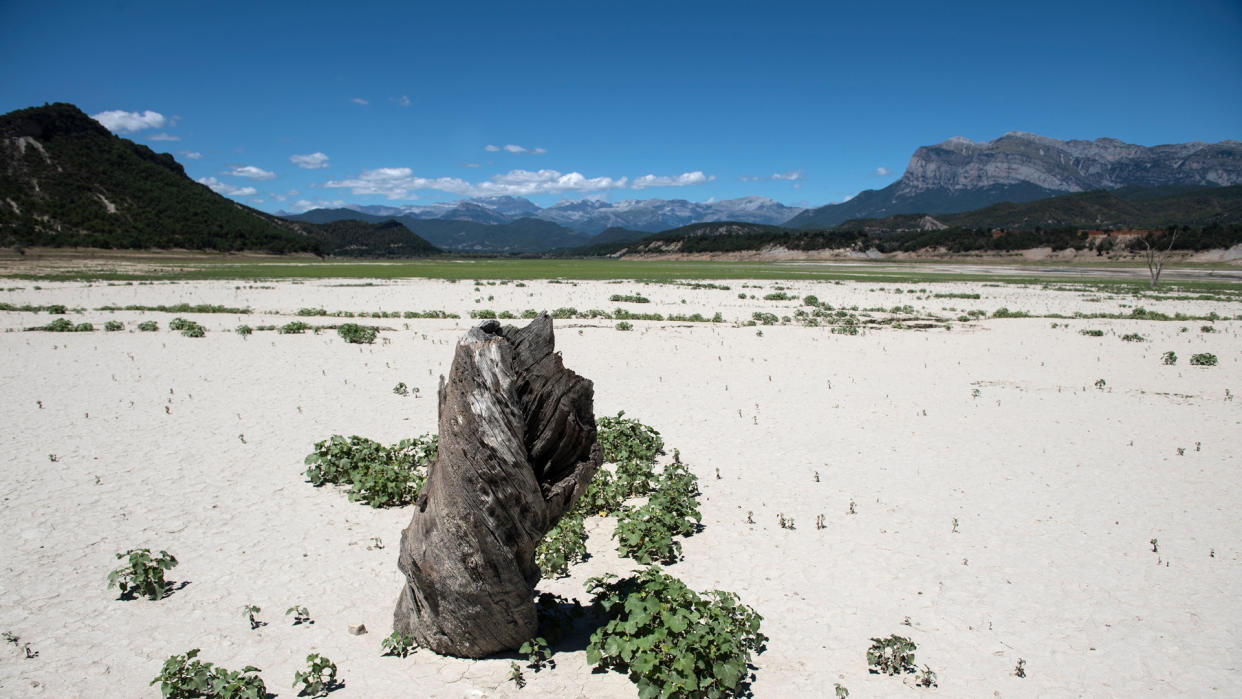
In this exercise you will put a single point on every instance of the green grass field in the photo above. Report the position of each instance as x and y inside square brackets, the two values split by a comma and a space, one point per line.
[119, 266]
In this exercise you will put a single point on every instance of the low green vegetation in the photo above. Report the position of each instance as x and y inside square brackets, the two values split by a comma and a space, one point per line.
[398, 644]
[188, 328]
[148, 326]
[318, 678]
[142, 574]
[670, 640]
[186, 677]
[357, 334]
[179, 308]
[1203, 359]
[377, 475]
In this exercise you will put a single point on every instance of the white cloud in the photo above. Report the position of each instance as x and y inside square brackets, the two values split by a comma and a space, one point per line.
[306, 205]
[359, 100]
[163, 137]
[881, 172]
[400, 183]
[848, 197]
[490, 148]
[250, 172]
[403, 101]
[129, 122]
[310, 161]
[787, 176]
[683, 180]
[520, 149]
[226, 188]
[191, 154]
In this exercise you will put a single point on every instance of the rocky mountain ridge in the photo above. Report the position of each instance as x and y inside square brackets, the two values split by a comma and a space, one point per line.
[960, 174]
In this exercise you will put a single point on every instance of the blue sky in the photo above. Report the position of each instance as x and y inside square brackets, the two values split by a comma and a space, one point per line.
[807, 103]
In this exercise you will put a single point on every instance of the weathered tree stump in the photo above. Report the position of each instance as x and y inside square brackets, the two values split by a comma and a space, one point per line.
[517, 448]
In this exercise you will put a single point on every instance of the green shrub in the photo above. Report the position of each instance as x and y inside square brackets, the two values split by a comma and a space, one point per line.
[623, 325]
[1206, 329]
[60, 325]
[57, 309]
[188, 328]
[765, 318]
[318, 678]
[482, 313]
[1169, 358]
[646, 533]
[143, 574]
[1091, 333]
[1133, 337]
[357, 334]
[561, 547]
[671, 641]
[377, 475]
[293, 327]
[398, 644]
[148, 326]
[113, 326]
[1006, 313]
[779, 296]
[1204, 359]
[891, 656]
[629, 298]
[83, 328]
[244, 330]
[184, 677]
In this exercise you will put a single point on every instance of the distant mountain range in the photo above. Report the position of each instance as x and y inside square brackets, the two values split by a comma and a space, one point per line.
[961, 175]
[588, 216]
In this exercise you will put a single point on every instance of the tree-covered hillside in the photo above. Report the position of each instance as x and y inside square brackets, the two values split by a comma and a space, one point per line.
[65, 181]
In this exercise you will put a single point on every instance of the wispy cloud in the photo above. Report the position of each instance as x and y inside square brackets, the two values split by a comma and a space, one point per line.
[683, 180]
[359, 100]
[130, 122]
[163, 137]
[402, 101]
[310, 161]
[516, 150]
[190, 154]
[250, 172]
[787, 176]
[226, 188]
[881, 172]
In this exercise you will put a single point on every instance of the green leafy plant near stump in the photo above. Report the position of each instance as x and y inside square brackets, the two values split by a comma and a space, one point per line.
[377, 475]
[672, 641]
[185, 676]
[318, 678]
[144, 574]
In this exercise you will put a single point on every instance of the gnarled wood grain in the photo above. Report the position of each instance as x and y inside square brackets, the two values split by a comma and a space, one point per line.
[517, 448]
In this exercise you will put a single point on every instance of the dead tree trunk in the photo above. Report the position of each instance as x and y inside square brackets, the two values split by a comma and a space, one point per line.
[517, 448]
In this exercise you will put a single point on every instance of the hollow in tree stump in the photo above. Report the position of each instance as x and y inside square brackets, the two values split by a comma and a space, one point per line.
[517, 448]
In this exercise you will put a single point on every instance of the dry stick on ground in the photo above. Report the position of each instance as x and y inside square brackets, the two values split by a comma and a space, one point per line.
[1157, 259]
[517, 448]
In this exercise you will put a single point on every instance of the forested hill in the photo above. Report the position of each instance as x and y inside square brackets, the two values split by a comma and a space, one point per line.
[65, 180]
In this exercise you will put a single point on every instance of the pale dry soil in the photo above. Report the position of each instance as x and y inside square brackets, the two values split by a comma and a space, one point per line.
[1057, 487]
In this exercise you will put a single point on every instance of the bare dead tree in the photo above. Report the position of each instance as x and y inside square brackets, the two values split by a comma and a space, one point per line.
[1157, 259]
[517, 448]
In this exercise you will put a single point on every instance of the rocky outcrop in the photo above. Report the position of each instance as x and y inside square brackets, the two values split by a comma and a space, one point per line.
[960, 174]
